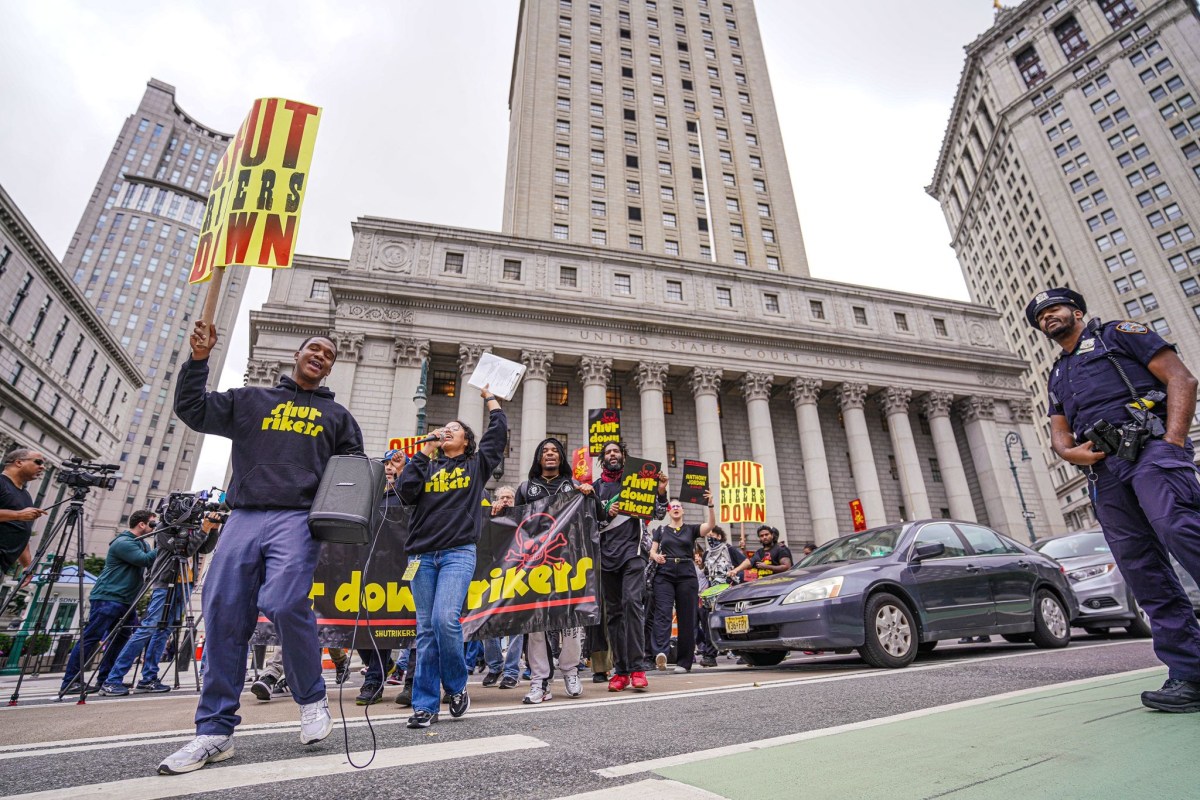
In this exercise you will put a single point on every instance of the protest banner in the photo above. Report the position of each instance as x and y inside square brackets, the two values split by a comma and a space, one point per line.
[743, 492]
[857, 516]
[695, 481]
[409, 444]
[252, 216]
[639, 488]
[604, 426]
[581, 465]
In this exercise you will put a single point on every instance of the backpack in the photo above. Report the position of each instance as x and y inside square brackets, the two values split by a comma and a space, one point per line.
[716, 562]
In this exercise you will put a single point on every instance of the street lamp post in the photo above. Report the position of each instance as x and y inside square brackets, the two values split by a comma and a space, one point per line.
[420, 399]
[1011, 438]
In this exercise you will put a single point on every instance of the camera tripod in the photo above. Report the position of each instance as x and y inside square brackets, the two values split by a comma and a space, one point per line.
[66, 531]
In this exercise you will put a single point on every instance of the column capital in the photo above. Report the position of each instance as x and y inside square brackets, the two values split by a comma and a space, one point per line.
[259, 372]
[595, 370]
[1022, 410]
[538, 363]
[894, 400]
[756, 385]
[804, 391]
[851, 395]
[468, 356]
[650, 375]
[409, 352]
[937, 404]
[705, 380]
[7, 443]
[349, 345]
[975, 408]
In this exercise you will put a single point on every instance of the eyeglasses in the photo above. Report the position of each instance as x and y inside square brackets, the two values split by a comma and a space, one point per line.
[452, 429]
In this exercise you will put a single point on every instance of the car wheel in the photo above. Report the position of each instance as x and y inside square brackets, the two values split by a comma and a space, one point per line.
[1016, 638]
[761, 658]
[891, 633]
[927, 647]
[1051, 628]
[1140, 625]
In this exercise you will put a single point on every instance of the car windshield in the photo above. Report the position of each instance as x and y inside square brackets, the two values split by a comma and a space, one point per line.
[1080, 544]
[875, 543]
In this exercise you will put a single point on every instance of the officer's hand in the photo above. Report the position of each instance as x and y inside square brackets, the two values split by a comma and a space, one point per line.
[1082, 455]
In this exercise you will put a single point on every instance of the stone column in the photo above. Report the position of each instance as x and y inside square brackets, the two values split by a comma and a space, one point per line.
[756, 389]
[804, 393]
[862, 456]
[954, 477]
[538, 364]
[470, 404]
[341, 378]
[705, 383]
[650, 377]
[595, 373]
[894, 402]
[407, 356]
[991, 466]
[1050, 520]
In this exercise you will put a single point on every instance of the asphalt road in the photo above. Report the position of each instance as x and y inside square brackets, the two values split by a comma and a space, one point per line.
[502, 749]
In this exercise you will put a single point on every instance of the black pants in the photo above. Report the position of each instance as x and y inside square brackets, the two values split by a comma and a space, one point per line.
[703, 634]
[624, 605]
[676, 585]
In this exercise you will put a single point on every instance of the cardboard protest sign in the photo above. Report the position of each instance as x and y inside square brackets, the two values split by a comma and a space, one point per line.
[695, 481]
[857, 515]
[409, 444]
[604, 426]
[639, 488]
[253, 212]
[581, 465]
[743, 492]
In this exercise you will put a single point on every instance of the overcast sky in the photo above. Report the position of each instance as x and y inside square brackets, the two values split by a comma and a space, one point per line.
[416, 119]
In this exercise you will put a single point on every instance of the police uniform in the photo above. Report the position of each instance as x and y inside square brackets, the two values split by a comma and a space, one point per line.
[1145, 507]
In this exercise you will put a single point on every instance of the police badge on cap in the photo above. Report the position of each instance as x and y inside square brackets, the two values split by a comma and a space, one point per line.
[1053, 297]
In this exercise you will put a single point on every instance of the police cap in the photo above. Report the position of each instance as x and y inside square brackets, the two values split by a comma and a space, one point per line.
[1053, 297]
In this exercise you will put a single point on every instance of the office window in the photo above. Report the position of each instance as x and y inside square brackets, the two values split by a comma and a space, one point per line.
[561, 204]
[622, 284]
[724, 297]
[739, 258]
[597, 157]
[768, 235]
[668, 220]
[319, 290]
[1071, 38]
[631, 161]
[1029, 65]
[568, 276]
[599, 209]
[597, 182]
[557, 394]
[901, 321]
[512, 270]
[561, 126]
[860, 315]
[633, 187]
[773, 263]
[771, 303]
[562, 177]
[454, 263]
[666, 193]
[939, 327]
[635, 242]
[445, 382]
[816, 309]
[612, 397]
[671, 247]
[935, 470]
[560, 232]
[599, 237]
[675, 290]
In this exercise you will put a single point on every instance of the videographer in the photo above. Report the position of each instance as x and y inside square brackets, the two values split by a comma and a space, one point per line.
[1120, 403]
[113, 593]
[177, 550]
[283, 437]
[17, 511]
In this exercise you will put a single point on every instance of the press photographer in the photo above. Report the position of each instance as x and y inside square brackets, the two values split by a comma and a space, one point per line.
[17, 511]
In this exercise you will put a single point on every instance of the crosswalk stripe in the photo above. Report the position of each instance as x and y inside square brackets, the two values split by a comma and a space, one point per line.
[218, 778]
[660, 789]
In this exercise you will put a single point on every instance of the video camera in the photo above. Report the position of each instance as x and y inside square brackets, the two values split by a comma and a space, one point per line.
[188, 509]
[80, 474]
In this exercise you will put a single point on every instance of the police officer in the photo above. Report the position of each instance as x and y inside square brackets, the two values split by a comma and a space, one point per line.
[1147, 498]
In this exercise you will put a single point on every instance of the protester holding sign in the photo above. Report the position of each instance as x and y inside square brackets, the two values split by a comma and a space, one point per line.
[772, 557]
[622, 569]
[675, 583]
[444, 483]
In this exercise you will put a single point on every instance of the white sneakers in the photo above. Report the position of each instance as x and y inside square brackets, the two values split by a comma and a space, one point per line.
[574, 687]
[196, 753]
[315, 722]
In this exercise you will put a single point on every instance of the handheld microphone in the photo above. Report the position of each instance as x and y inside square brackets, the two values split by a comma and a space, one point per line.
[433, 437]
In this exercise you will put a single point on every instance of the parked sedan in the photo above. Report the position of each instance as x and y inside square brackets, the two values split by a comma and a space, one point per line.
[894, 590]
[1104, 599]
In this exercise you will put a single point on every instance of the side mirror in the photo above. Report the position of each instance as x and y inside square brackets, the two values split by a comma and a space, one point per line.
[928, 550]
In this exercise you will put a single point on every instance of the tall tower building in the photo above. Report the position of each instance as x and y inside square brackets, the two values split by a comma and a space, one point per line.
[1072, 157]
[649, 126]
[130, 256]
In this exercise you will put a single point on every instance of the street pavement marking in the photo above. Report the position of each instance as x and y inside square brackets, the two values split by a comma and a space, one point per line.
[659, 789]
[649, 765]
[218, 778]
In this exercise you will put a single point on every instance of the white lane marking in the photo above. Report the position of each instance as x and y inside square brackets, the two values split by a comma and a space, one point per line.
[34, 749]
[212, 779]
[716, 752]
[659, 789]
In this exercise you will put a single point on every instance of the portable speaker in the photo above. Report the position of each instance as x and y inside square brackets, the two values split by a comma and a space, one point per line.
[346, 508]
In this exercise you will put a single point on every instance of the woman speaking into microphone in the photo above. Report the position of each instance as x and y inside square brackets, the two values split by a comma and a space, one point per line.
[444, 484]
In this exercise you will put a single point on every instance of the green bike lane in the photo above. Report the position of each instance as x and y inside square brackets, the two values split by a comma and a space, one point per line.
[1090, 738]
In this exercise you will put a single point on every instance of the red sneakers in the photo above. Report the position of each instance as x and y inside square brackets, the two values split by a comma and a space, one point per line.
[638, 681]
[619, 682]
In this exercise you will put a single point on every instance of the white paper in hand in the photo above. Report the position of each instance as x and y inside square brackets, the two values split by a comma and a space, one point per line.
[500, 375]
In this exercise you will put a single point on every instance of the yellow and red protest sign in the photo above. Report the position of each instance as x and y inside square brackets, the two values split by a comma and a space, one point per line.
[857, 515]
[743, 492]
[253, 213]
[581, 465]
[409, 444]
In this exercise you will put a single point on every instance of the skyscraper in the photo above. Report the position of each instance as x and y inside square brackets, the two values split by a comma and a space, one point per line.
[1072, 157]
[130, 256]
[649, 126]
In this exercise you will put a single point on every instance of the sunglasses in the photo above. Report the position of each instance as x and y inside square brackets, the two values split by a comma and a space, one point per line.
[37, 461]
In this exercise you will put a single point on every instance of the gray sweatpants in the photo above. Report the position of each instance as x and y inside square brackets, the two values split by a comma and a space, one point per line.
[539, 655]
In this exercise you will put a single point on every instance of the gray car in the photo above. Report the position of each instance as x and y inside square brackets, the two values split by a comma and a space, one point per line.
[1105, 600]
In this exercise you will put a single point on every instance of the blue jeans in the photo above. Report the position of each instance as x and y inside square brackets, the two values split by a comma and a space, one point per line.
[103, 616]
[148, 636]
[510, 662]
[439, 590]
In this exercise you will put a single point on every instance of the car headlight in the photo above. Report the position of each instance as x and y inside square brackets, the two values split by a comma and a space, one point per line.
[823, 589]
[1087, 573]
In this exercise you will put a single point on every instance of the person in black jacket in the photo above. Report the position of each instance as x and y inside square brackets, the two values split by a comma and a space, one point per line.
[444, 483]
[675, 585]
[282, 439]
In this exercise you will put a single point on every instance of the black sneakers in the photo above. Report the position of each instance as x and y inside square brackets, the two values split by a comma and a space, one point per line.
[405, 696]
[422, 719]
[262, 687]
[492, 678]
[509, 682]
[1181, 697]
[459, 703]
[371, 693]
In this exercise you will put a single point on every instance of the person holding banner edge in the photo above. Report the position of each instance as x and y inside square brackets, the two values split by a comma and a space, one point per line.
[675, 582]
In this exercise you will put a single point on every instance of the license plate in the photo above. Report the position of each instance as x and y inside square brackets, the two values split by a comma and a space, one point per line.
[738, 624]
